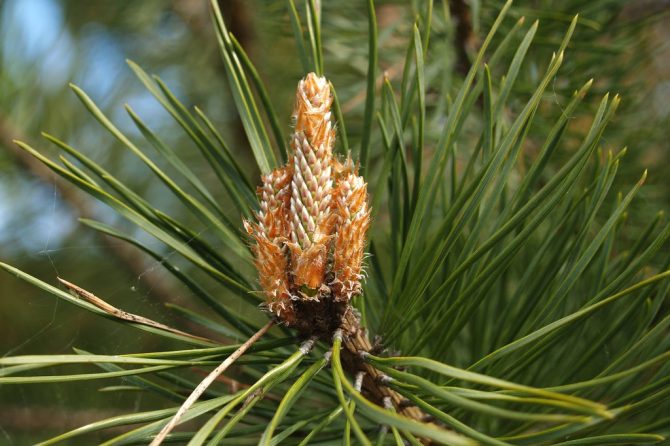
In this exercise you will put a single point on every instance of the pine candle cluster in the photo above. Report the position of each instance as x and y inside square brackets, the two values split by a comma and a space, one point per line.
[310, 229]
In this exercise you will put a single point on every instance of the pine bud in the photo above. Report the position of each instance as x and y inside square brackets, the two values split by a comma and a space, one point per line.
[310, 229]
[269, 251]
[353, 222]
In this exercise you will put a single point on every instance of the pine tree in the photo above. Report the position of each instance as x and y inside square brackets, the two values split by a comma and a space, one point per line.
[508, 297]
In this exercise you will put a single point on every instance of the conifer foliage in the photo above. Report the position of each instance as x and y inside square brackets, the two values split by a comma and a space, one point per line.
[504, 300]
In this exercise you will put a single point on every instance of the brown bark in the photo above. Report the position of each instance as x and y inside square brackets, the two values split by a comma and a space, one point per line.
[465, 39]
[356, 341]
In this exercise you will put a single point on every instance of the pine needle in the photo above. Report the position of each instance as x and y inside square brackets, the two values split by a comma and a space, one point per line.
[205, 383]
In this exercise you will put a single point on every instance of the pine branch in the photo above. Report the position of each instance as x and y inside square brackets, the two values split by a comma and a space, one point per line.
[356, 345]
[466, 261]
[465, 38]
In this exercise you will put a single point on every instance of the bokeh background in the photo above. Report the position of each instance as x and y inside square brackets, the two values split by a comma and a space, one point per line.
[47, 44]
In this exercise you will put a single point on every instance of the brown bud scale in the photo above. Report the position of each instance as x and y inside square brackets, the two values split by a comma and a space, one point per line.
[310, 230]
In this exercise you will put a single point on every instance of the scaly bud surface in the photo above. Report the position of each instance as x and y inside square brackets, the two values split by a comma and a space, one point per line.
[310, 238]
[353, 222]
[310, 229]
